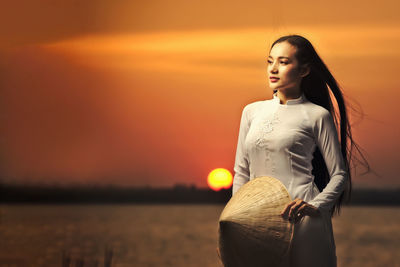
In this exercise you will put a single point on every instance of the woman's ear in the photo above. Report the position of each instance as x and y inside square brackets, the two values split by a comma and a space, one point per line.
[305, 70]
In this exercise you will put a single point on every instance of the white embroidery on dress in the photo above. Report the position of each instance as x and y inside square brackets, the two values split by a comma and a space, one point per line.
[267, 126]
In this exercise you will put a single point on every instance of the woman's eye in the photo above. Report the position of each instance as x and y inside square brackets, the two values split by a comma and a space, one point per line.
[269, 61]
[284, 62]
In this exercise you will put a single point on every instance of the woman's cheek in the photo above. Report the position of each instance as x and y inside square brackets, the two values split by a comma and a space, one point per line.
[292, 74]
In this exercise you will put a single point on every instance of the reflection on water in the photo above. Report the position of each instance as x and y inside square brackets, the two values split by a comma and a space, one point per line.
[167, 235]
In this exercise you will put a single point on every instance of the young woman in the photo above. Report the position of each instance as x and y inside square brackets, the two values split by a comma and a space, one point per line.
[293, 138]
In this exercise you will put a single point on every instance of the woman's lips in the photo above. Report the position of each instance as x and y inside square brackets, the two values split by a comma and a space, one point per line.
[273, 79]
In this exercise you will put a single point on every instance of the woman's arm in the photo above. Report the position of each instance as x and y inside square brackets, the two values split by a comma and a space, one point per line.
[241, 168]
[327, 140]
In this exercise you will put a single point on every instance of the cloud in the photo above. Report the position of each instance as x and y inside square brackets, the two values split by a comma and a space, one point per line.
[213, 50]
[42, 21]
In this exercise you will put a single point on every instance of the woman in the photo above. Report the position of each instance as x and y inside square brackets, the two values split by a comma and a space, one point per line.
[293, 138]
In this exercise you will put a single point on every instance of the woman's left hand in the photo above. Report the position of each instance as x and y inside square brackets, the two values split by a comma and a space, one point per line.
[297, 209]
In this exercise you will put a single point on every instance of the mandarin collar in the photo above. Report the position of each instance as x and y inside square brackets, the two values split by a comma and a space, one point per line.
[298, 100]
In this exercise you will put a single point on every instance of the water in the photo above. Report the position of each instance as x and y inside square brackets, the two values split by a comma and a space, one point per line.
[167, 235]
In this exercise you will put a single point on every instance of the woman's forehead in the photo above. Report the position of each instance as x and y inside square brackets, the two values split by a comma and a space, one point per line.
[282, 50]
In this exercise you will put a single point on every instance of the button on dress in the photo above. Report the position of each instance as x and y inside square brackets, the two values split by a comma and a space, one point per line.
[278, 140]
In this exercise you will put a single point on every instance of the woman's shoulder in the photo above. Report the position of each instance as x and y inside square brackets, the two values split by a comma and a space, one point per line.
[256, 105]
[316, 111]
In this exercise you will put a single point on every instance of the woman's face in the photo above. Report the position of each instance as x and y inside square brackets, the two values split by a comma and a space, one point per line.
[284, 72]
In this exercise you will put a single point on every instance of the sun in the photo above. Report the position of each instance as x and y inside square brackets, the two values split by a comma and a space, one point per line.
[219, 178]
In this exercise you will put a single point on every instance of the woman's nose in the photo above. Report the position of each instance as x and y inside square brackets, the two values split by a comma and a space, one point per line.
[273, 68]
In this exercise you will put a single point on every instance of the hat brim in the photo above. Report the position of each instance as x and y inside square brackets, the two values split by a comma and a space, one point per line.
[251, 230]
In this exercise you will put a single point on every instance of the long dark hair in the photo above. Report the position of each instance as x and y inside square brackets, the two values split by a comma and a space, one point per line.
[315, 87]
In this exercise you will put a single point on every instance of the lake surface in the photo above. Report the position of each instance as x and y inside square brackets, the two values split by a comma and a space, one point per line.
[167, 235]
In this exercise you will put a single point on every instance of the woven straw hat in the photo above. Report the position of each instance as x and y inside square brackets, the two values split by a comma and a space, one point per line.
[251, 230]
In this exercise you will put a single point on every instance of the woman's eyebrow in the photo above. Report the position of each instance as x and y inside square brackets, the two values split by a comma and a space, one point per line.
[280, 57]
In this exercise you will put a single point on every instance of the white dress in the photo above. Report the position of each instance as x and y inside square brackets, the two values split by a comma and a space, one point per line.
[278, 140]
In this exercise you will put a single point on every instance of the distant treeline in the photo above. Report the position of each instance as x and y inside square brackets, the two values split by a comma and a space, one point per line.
[176, 194]
[80, 194]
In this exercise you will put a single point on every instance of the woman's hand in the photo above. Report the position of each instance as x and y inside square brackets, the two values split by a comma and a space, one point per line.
[297, 209]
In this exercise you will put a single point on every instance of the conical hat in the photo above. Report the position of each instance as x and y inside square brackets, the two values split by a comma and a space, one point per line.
[251, 230]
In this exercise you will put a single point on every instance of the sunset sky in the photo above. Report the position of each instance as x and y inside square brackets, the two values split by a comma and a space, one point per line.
[151, 92]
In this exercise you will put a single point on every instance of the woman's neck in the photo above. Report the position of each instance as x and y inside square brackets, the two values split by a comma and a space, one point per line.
[284, 97]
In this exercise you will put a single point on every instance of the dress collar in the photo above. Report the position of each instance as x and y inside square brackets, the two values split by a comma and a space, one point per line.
[298, 100]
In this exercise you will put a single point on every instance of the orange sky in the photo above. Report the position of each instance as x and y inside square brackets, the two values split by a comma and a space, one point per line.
[137, 94]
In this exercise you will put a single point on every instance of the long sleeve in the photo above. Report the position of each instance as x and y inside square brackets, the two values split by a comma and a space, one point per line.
[327, 140]
[241, 168]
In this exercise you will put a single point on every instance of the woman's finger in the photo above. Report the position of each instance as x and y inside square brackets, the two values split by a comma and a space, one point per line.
[300, 213]
[293, 209]
[298, 217]
[303, 209]
[285, 212]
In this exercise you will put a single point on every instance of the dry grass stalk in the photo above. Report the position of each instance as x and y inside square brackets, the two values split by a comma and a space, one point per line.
[67, 260]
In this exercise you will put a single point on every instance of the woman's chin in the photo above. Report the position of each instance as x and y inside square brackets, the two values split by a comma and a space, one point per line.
[273, 87]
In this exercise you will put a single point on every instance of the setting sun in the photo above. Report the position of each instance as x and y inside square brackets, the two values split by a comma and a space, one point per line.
[219, 178]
